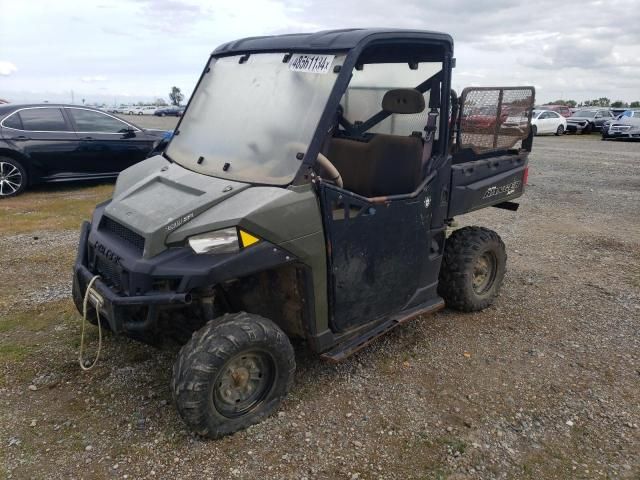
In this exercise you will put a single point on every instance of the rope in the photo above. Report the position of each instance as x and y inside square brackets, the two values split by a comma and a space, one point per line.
[84, 318]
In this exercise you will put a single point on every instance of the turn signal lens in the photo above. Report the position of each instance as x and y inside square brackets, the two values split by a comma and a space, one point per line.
[247, 239]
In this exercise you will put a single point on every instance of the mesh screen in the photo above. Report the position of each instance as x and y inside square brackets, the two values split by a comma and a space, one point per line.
[495, 118]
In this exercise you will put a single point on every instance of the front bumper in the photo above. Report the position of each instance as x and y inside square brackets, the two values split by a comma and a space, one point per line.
[576, 127]
[117, 308]
[136, 290]
[622, 131]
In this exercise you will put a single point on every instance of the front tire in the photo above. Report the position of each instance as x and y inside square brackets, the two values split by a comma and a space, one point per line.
[588, 129]
[13, 177]
[559, 130]
[473, 268]
[534, 129]
[233, 372]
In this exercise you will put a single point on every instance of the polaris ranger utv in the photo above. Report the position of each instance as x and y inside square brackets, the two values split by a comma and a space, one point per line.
[306, 194]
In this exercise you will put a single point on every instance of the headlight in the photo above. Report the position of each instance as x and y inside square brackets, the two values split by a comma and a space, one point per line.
[228, 240]
[220, 241]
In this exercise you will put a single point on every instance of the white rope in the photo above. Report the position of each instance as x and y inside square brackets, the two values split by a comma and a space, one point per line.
[84, 321]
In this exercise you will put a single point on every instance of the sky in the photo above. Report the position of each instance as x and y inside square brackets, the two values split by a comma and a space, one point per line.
[124, 51]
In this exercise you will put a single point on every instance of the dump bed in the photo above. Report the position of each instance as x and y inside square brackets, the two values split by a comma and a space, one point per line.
[493, 138]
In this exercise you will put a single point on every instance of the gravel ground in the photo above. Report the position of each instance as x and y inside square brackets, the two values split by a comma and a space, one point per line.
[545, 384]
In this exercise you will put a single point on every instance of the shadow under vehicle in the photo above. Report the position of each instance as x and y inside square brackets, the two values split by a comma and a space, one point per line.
[306, 194]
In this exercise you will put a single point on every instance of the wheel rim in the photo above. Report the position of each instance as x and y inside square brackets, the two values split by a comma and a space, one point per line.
[10, 179]
[560, 129]
[244, 383]
[484, 272]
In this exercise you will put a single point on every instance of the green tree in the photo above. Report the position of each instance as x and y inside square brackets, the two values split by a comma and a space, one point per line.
[598, 102]
[176, 96]
[568, 103]
[619, 104]
[635, 104]
[160, 102]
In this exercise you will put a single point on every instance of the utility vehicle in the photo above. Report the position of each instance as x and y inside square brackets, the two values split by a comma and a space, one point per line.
[305, 194]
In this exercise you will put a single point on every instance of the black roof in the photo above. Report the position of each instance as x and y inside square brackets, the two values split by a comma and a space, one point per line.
[329, 40]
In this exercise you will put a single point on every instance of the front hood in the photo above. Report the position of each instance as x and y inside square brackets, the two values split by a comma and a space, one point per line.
[632, 121]
[166, 197]
[579, 119]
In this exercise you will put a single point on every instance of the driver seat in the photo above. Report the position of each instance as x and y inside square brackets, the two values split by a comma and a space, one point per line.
[383, 164]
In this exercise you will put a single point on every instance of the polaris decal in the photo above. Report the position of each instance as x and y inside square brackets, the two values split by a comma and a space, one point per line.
[179, 222]
[508, 189]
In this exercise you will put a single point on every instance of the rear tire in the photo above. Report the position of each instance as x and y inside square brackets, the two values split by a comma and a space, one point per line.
[473, 268]
[559, 130]
[13, 177]
[234, 372]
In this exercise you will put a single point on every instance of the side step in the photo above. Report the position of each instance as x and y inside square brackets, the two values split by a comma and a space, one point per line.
[351, 346]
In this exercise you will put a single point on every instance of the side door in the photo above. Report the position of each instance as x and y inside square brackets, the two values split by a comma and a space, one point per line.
[544, 122]
[46, 137]
[384, 256]
[555, 120]
[108, 145]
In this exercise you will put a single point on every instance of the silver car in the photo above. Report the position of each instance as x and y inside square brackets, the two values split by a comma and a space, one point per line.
[627, 126]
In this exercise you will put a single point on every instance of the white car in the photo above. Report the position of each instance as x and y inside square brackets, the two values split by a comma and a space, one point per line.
[145, 110]
[548, 121]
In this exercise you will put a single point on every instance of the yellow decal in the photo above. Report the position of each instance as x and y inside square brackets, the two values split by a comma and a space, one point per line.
[247, 239]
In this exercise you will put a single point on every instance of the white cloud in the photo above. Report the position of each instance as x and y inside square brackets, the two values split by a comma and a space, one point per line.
[7, 68]
[93, 78]
[579, 49]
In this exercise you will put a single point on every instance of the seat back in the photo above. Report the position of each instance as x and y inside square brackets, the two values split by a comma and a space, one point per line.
[385, 165]
[382, 164]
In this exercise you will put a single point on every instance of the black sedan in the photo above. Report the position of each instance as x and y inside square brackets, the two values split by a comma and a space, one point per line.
[169, 112]
[59, 143]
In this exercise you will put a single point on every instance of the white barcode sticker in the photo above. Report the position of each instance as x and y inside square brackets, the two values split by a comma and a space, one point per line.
[301, 62]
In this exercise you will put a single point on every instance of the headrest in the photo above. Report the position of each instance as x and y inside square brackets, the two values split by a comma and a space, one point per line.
[403, 100]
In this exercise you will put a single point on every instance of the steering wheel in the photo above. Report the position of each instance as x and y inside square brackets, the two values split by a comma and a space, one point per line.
[324, 163]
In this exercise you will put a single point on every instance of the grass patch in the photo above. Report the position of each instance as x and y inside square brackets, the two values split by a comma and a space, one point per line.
[50, 208]
[13, 353]
[39, 318]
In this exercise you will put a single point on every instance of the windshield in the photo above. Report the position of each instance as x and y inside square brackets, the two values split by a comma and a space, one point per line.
[585, 113]
[250, 117]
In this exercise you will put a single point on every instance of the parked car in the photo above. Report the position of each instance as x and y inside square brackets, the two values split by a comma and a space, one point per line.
[548, 121]
[563, 110]
[58, 143]
[172, 111]
[144, 110]
[122, 109]
[483, 119]
[588, 120]
[627, 125]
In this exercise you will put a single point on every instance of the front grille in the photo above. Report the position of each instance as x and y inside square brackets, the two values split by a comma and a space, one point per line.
[620, 128]
[123, 232]
[108, 271]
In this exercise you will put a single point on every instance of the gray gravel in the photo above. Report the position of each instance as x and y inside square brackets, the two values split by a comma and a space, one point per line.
[545, 384]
